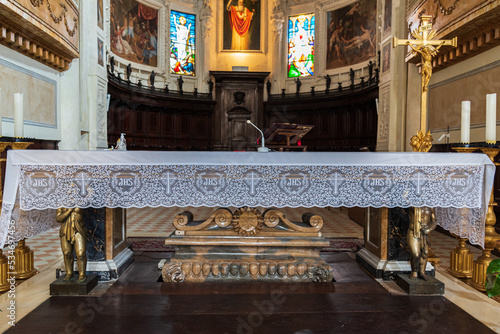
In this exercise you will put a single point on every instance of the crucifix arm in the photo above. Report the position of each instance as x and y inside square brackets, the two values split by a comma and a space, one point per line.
[440, 45]
[412, 47]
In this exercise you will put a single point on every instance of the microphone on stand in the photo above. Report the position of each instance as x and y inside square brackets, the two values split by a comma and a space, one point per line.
[263, 148]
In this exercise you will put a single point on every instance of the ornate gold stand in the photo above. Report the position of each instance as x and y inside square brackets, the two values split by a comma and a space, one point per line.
[490, 237]
[422, 142]
[24, 257]
[247, 246]
[4, 269]
[461, 259]
[24, 261]
[15, 146]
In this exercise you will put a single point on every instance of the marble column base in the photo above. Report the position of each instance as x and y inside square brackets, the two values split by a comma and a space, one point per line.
[107, 269]
[386, 269]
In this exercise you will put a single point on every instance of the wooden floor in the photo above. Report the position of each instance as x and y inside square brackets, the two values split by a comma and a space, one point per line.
[355, 303]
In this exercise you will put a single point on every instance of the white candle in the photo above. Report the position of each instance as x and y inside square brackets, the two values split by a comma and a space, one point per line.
[491, 118]
[465, 138]
[18, 115]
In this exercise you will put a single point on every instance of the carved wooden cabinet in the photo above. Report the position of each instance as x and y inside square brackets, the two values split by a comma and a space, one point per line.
[239, 97]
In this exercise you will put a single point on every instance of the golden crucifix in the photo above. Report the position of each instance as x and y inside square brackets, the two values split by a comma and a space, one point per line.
[422, 217]
[424, 45]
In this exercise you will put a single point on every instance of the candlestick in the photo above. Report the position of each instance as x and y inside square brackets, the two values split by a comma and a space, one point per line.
[461, 258]
[18, 115]
[465, 135]
[491, 237]
[491, 118]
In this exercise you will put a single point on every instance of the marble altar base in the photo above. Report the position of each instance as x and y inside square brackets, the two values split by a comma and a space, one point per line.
[216, 258]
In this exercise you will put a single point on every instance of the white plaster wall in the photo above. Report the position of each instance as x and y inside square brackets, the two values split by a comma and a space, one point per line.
[70, 108]
[34, 131]
[477, 133]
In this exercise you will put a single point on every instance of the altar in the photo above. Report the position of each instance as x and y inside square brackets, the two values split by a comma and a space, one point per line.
[121, 179]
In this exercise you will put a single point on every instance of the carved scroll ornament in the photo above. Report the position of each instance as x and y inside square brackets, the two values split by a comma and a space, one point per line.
[58, 18]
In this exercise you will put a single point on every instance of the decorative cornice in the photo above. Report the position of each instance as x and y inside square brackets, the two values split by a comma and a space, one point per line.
[41, 30]
[26, 46]
[469, 46]
[475, 24]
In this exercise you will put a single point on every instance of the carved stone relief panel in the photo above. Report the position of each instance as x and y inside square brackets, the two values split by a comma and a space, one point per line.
[383, 116]
[205, 17]
[101, 117]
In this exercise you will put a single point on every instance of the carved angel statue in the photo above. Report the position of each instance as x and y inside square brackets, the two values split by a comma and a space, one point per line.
[422, 222]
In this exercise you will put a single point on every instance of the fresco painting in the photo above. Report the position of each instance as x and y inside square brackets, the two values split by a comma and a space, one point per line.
[351, 34]
[100, 13]
[134, 31]
[386, 58]
[387, 16]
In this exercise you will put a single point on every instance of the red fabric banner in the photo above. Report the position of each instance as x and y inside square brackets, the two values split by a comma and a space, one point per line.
[146, 12]
[239, 23]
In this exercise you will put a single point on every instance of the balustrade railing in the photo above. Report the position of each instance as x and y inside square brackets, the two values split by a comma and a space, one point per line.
[332, 92]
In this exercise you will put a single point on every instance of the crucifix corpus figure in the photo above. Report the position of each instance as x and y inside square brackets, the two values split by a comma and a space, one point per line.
[424, 45]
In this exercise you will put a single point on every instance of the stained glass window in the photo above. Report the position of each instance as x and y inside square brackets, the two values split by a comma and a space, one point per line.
[182, 43]
[301, 45]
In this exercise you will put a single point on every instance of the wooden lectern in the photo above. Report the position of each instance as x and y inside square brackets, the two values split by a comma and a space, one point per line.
[285, 136]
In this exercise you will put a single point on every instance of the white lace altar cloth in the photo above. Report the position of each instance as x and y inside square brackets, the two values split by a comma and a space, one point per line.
[53, 179]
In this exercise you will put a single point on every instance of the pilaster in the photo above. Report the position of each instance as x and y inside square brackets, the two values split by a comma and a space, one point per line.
[392, 98]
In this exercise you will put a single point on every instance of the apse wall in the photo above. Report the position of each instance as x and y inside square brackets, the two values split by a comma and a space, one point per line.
[145, 34]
